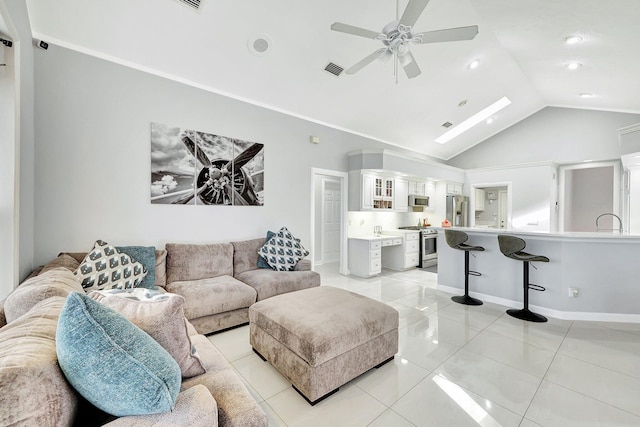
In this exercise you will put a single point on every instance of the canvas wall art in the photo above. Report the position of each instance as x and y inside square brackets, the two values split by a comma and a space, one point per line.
[199, 168]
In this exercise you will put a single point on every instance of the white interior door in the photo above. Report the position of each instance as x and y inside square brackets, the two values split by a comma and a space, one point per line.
[331, 223]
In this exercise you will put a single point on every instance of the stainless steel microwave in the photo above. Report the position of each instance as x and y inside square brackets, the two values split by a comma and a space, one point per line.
[419, 201]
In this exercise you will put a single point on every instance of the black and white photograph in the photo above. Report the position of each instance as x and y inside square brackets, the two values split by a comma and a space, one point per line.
[199, 168]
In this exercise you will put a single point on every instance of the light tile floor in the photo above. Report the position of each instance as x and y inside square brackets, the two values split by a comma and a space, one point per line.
[463, 366]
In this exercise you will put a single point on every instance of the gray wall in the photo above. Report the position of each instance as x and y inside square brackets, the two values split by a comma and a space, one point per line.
[21, 210]
[93, 158]
[559, 135]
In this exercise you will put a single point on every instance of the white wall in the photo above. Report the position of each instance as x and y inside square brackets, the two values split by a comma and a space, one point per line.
[634, 200]
[531, 192]
[93, 158]
[559, 135]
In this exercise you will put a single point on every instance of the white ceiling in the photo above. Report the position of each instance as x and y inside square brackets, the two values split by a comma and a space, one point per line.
[520, 45]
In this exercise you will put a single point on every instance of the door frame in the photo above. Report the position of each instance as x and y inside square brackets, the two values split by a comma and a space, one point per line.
[617, 186]
[343, 179]
[472, 200]
[326, 179]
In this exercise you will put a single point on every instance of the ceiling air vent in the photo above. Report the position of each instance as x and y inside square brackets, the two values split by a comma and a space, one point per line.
[195, 4]
[447, 125]
[334, 69]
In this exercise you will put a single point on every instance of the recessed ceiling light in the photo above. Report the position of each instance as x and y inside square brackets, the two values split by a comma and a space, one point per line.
[573, 39]
[474, 120]
[490, 120]
[585, 95]
[574, 65]
[473, 64]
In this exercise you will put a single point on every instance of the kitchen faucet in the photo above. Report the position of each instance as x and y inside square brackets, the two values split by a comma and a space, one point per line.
[609, 229]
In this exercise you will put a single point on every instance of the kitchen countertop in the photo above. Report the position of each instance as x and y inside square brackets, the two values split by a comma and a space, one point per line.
[574, 235]
[383, 236]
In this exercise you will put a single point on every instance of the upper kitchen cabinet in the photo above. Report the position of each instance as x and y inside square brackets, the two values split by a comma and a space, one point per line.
[376, 192]
[417, 188]
[401, 198]
[454, 188]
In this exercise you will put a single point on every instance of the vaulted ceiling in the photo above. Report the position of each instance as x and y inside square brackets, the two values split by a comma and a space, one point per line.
[520, 47]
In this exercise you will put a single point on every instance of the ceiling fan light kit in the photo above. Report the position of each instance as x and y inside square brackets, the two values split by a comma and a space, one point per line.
[398, 35]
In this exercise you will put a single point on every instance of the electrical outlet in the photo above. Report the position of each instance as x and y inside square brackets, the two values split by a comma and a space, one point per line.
[573, 292]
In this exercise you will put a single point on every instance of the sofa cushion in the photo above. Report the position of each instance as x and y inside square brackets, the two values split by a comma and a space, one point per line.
[161, 268]
[105, 267]
[195, 262]
[33, 390]
[62, 260]
[56, 282]
[160, 315]
[215, 295]
[268, 283]
[283, 251]
[245, 255]
[145, 255]
[262, 263]
[111, 362]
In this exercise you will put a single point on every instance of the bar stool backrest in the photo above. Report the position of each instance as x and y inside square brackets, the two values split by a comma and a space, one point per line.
[510, 245]
[455, 238]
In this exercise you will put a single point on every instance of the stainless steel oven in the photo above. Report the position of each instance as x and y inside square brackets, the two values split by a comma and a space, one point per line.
[428, 247]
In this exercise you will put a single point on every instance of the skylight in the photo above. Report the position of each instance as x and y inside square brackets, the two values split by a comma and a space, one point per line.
[474, 120]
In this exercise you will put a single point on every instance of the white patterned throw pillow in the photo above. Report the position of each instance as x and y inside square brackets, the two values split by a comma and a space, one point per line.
[106, 268]
[283, 251]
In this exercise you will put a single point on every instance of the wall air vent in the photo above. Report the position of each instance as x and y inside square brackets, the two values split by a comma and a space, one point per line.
[447, 125]
[334, 69]
[194, 4]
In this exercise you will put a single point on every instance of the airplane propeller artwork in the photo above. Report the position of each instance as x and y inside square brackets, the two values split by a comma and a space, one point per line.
[222, 182]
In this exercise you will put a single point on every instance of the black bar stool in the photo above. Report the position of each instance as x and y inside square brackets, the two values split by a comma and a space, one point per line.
[512, 247]
[456, 240]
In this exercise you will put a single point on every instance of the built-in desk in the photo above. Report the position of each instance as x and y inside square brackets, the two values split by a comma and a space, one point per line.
[605, 267]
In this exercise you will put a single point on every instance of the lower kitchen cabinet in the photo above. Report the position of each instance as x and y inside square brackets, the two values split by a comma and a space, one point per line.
[404, 256]
[365, 257]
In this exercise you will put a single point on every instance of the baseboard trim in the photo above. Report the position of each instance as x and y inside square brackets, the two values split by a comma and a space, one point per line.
[563, 315]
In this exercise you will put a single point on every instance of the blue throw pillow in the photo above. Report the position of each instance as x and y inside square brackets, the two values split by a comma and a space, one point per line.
[112, 363]
[145, 255]
[262, 263]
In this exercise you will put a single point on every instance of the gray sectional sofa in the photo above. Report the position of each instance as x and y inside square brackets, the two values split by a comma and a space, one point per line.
[218, 283]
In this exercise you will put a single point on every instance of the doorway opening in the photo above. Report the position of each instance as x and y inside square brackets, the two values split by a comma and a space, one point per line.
[586, 191]
[490, 205]
[329, 218]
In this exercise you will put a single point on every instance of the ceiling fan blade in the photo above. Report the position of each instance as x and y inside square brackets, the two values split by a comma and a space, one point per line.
[412, 12]
[410, 65]
[366, 61]
[197, 153]
[448, 35]
[356, 31]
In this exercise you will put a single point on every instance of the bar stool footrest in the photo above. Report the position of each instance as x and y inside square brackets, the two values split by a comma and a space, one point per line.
[474, 273]
[536, 287]
[527, 315]
[466, 300]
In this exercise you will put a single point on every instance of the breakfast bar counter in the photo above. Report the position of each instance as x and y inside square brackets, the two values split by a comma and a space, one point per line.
[603, 267]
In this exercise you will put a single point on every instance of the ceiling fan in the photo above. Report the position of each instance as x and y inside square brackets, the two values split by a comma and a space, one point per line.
[397, 36]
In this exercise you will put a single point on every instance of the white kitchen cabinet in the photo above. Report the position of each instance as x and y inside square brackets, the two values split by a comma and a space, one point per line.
[405, 256]
[401, 195]
[417, 188]
[365, 257]
[430, 191]
[367, 192]
[480, 196]
[454, 188]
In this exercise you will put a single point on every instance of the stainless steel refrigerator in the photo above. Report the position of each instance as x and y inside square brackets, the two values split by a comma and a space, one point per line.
[458, 210]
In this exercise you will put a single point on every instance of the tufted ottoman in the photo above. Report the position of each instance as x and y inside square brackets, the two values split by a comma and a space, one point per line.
[321, 338]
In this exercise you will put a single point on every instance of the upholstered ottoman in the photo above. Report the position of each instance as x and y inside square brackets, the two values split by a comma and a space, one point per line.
[321, 338]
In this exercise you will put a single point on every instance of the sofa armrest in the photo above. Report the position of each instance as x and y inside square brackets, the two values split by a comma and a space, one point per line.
[303, 265]
[195, 407]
